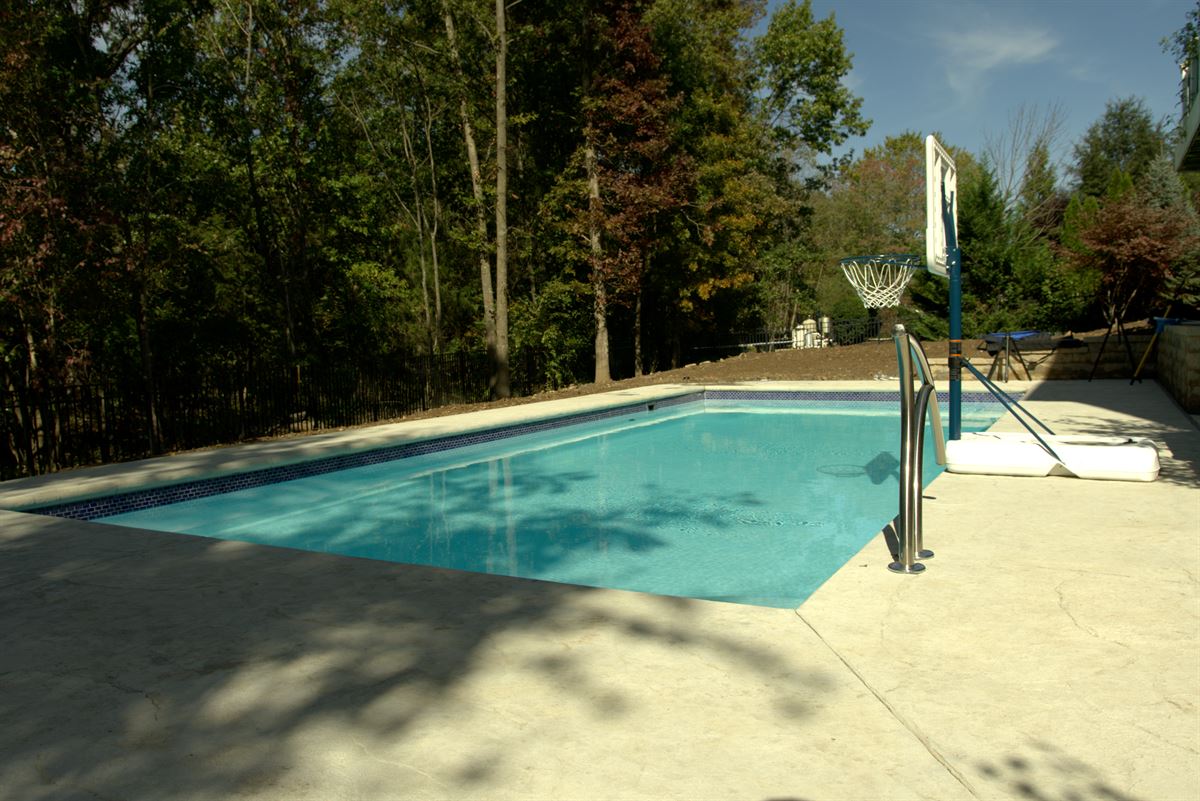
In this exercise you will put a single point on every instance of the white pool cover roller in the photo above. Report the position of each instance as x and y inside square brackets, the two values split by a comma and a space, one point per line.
[1083, 456]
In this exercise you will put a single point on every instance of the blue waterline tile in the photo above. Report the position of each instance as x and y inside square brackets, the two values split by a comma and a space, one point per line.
[107, 506]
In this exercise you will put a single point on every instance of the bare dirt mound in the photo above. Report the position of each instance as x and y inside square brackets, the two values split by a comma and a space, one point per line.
[862, 362]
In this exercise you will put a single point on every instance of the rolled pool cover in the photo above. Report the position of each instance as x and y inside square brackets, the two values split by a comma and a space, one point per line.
[1082, 456]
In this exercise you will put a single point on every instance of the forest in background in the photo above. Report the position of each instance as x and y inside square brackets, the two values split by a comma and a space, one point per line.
[194, 190]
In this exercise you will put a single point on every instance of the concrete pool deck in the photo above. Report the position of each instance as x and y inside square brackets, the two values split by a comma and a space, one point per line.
[1050, 651]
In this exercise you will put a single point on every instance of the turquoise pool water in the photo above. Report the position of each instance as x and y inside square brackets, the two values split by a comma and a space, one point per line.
[738, 503]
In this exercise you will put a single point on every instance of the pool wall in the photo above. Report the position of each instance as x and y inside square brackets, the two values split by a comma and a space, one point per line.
[115, 489]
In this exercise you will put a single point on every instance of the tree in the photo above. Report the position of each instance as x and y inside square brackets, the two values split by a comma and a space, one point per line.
[802, 64]
[480, 232]
[1162, 189]
[1125, 138]
[1184, 43]
[59, 73]
[1026, 144]
[502, 378]
[1133, 245]
[983, 233]
[1039, 202]
[755, 116]
[393, 91]
[636, 172]
[192, 190]
[149, 213]
[875, 204]
[467, 57]
[265, 69]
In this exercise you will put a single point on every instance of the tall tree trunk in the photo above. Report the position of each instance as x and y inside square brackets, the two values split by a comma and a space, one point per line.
[153, 432]
[481, 233]
[637, 336]
[502, 379]
[142, 254]
[32, 422]
[599, 289]
[418, 220]
[433, 230]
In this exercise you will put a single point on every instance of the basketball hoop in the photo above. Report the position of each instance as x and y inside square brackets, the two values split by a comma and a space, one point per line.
[880, 280]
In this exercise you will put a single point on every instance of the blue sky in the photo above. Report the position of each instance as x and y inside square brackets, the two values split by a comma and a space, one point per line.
[964, 68]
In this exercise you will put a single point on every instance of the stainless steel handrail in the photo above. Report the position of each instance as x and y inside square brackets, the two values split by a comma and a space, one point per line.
[913, 408]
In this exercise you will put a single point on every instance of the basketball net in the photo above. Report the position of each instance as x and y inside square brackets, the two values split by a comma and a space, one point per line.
[880, 280]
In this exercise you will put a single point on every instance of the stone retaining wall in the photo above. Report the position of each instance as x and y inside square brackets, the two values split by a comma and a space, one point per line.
[1113, 361]
[1179, 364]
[1175, 362]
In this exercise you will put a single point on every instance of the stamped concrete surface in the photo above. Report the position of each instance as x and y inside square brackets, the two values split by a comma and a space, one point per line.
[1050, 651]
[1052, 648]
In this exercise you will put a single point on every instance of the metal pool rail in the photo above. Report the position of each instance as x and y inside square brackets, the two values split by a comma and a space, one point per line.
[913, 407]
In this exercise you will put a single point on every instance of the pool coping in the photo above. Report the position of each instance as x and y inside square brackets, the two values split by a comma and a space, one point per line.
[182, 476]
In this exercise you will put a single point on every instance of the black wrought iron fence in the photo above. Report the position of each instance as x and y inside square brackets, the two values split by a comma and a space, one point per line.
[86, 424]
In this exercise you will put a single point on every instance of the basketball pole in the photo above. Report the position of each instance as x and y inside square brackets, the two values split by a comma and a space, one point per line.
[954, 273]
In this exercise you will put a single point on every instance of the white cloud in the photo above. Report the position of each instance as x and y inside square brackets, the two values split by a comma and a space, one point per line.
[969, 56]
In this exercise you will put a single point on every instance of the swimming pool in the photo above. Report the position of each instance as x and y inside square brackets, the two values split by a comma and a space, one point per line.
[752, 498]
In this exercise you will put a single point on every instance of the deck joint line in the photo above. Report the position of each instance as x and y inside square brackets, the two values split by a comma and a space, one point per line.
[901, 719]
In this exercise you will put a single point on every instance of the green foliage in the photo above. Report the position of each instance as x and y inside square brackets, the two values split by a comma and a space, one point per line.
[1066, 295]
[1120, 184]
[188, 186]
[875, 204]
[782, 294]
[1012, 276]
[1184, 43]
[754, 115]
[1080, 214]
[1180, 291]
[1039, 203]
[1012, 279]
[989, 257]
[802, 63]
[927, 315]
[1125, 138]
[555, 324]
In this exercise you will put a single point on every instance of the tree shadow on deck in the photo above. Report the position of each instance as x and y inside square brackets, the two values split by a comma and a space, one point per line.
[1042, 772]
[147, 665]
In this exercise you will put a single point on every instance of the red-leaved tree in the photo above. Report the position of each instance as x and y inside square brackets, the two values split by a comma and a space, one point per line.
[1134, 245]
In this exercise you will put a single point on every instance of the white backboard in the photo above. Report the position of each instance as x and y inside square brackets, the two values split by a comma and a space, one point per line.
[941, 181]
